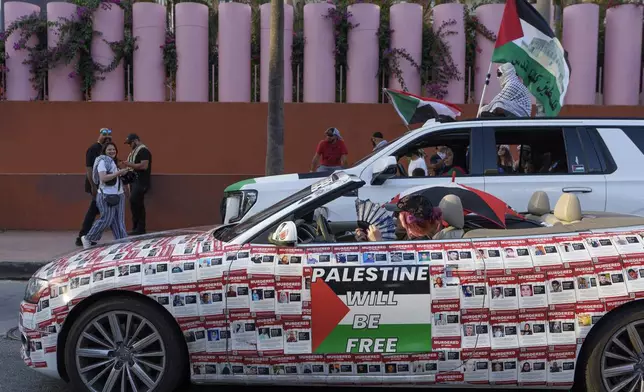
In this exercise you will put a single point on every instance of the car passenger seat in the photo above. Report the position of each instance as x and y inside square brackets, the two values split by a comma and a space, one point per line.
[567, 209]
[539, 207]
[452, 210]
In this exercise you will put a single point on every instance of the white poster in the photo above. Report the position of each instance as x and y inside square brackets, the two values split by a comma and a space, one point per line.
[477, 366]
[184, 300]
[79, 284]
[586, 283]
[59, 294]
[290, 261]
[634, 272]
[516, 254]
[289, 295]
[475, 330]
[211, 267]
[237, 291]
[490, 253]
[532, 366]
[161, 294]
[588, 314]
[449, 353]
[601, 247]
[532, 327]
[349, 255]
[561, 287]
[573, 250]
[312, 368]
[374, 254]
[503, 292]
[270, 336]
[244, 335]
[544, 253]
[156, 262]
[340, 365]
[218, 335]
[503, 364]
[286, 368]
[262, 260]
[431, 253]
[532, 291]
[561, 366]
[446, 318]
[402, 253]
[444, 283]
[462, 254]
[297, 337]
[103, 277]
[370, 367]
[561, 326]
[43, 308]
[262, 295]
[183, 269]
[194, 334]
[473, 291]
[628, 243]
[204, 367]
[398, 368]
[504, 326]
[319, 255]
[258, 370]
[129, 275]
[610, 277]
[211, 297]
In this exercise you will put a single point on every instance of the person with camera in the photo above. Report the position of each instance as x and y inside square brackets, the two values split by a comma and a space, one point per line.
[140, 161]
[110, 198]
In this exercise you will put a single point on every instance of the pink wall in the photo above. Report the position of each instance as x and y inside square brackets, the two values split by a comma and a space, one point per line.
[148, 24]
[362, 58]
[622, 55]
[60, 86]
[490, 16]
[406, 19]
[580, 35]
[108, 21]
[19, 88]
[319, 57]
[191, 27]
[456, 42]
[234, 52]
[265, 10]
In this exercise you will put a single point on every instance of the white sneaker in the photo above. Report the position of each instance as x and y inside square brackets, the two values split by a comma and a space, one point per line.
[86, 242]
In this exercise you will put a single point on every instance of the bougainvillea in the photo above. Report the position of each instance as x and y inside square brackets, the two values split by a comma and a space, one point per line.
[341, 19]
[170, 60]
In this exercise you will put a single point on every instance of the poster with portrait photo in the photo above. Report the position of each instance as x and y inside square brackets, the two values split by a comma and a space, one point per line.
[231, 368]
[561, 286]
[503, 366]
[297, 337]
[59, 294]
[217, 334]
[430, 253]
[237, 291]
[634, 272]
[588, 314]
[262, 295]
[397, 369]
[445, 283]
[473, 290]
[516, 254]
[320, 255]
[561, 365]
[129, 275]
[182, 240]
[628, 243]
[341, 368]
[160, 294]
[43, 308]
[288, 293]
[156, 265]
[262, 260]
[476, 365]
[211, 297]
[151, 243]
[183, 270]
[462, 254]
[504, 326]
[573, 250]
[243, 333]
[532, 366]
[312, 368]
[446, 318]
[402, 253]
[533, 324]
[601, 247]
[449, 353]
[204, 367]
[79, 284]
[544, 252]
[285, 369]
[532, 290]
[374, 254]
[475, 328]
[211, 267]
[561, 325]
[194, 333]
[586, 283]
[425, 367]
[237, 258]
[103, 277]
[488, 252]
[610, 279]
[349, 255]
[185, 300]
[290, 261]
[369, 368]
[270, 336]
[36, 349]
[503, 292]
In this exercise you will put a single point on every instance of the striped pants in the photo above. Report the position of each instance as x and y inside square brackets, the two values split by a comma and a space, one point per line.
[112, 217]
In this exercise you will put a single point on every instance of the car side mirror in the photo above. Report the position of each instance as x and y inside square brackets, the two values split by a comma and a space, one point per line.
[384, 169]
[284, 235]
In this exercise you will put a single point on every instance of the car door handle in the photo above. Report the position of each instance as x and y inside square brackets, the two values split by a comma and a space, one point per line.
[577, 190]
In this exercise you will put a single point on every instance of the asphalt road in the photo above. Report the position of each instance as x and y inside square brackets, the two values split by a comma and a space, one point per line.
[16, 377]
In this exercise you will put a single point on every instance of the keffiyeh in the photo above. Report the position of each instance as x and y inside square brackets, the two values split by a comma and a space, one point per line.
[514, 96]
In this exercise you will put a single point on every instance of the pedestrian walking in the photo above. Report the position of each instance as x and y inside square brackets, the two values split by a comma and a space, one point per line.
[331, 153]
[110, 198]
[139, 160]
[378, 141]
[104, 136]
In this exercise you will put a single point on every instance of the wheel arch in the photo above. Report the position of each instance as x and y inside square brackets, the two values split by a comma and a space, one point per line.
[595, 335]
[92, 299]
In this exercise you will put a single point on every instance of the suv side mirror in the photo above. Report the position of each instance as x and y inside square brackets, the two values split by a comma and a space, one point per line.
[284, 235]
[384, 169]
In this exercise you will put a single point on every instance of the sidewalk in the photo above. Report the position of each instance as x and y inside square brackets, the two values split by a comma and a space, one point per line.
[23, 252]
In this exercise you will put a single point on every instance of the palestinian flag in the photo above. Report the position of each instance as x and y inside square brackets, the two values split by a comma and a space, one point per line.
[414, 109]
[526, 41]
[363, 307]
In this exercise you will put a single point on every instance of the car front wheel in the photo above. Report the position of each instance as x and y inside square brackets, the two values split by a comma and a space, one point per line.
[123, 344]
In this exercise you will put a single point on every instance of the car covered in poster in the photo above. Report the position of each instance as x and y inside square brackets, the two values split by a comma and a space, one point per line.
[289, 297]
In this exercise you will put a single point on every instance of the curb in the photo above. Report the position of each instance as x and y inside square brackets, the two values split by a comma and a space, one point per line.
[19, 270]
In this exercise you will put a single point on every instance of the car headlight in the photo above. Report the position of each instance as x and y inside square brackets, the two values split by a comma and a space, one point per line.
[34, 290]
[239, 203]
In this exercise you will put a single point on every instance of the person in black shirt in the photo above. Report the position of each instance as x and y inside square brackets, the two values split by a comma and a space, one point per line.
[105, 136]
[140, 160]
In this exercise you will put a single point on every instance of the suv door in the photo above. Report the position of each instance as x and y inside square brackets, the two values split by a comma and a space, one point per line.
[556, 161]
[466, 146]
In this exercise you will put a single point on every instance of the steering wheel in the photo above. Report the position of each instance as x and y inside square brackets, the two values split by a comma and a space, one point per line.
[324, 228]
[305, 233]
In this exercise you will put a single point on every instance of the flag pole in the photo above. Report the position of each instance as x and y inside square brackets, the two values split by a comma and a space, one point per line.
[487, 82]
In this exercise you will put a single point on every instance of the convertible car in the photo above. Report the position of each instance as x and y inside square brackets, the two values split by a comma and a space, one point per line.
[550, 301]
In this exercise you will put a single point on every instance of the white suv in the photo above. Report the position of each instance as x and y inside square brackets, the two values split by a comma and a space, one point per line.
[599, 160]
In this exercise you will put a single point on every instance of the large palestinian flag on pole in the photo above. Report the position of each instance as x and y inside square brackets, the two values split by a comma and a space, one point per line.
[359, 309]
[413, 109]
[526, 41]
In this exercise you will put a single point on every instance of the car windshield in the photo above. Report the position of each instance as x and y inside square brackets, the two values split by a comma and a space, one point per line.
[372, 153]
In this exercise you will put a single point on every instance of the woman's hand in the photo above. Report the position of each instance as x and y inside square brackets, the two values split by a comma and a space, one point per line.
[361, 236]
[122, 172]
[374, 234]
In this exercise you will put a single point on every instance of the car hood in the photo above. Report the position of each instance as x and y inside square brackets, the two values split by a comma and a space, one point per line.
[295, 179]
[193, 242]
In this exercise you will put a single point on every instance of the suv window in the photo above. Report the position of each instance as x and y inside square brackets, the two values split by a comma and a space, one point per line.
[636, 134]
[531, 151]
[453, 144]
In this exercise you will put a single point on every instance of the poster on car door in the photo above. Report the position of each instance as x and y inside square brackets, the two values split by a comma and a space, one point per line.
[490, 253]
[211, 297]
[341, 368]
[322, 255]
[532, 366]
[195, 335]
[398, 368]
[371, 309]
[288, 290]
[588, 314]
[504, 324]
[297, 337]
[160, 294]
[503, 292]
[444, 282]
[476, 369]
[217, 334]
[262, 260]
[561, 287]
[156, 262]
[573, 250]
[461, 254]
[349, 255]
[475, 331]
[270, 336]
[402, 253]
[634, 272]
[370, 367]
[237, 291]
[103, 276]
[628, 243]
[516, 255]
[446, 318]
[430, 253]
[561, 325]
[449, 353]
[285, 368]
[532, 327]
[244, 336]
[290, 261]
[601, 247]
[561, 365]
[262, 295]
[211, 266]
[128, 273]
[313, 368]
[544, 253]
[610, 279]
[586, 283]
[532, 291]
[184, 300]
[503, 365]
[374, 254]
[473, 290]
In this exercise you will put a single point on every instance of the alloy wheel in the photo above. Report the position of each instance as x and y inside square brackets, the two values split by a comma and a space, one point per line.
[120, 351]
[622, 361]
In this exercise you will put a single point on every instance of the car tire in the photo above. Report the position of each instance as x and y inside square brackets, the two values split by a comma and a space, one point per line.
[157, 349]
[630, 318]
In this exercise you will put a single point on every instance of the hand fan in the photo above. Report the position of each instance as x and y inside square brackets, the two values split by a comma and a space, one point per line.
[370, 213]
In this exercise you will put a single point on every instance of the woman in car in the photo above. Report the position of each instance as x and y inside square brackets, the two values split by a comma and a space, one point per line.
[417, 216]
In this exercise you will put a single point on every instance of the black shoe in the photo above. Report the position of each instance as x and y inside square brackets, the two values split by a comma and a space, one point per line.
[133, 233]
[79, 242]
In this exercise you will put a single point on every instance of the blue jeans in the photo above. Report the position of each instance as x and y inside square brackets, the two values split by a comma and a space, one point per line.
[323, 168]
